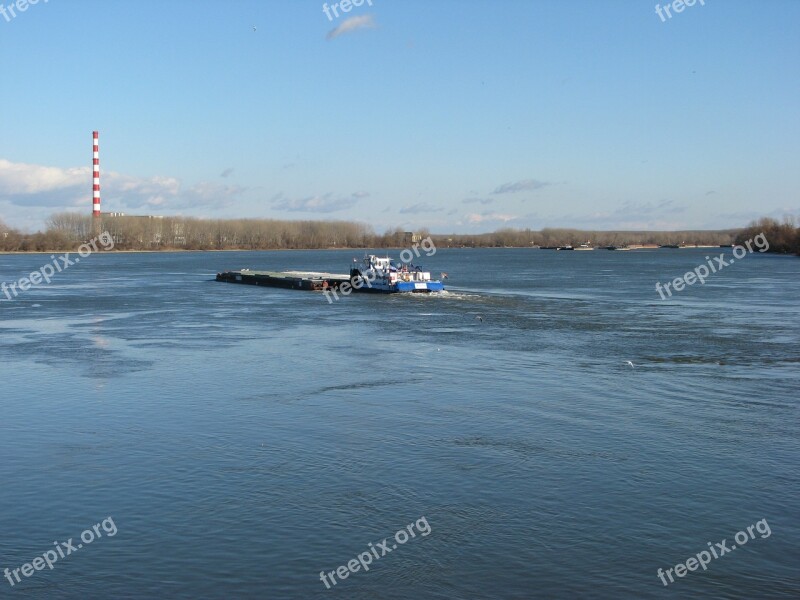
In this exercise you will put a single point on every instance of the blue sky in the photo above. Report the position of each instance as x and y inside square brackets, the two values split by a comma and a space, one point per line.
[458, 116]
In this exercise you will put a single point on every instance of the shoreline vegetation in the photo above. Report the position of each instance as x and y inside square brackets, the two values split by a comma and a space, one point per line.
[66, 231]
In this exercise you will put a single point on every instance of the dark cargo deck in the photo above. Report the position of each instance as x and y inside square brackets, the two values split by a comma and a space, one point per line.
[297, 280]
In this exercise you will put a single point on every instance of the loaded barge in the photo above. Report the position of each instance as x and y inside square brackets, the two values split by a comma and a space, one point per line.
[296, 280]
[373, 274]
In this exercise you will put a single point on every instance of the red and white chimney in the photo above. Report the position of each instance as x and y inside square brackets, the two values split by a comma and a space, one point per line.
[95, 175]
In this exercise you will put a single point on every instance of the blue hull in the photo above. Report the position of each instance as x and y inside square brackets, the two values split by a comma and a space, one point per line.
[410, 286]
[403, 287]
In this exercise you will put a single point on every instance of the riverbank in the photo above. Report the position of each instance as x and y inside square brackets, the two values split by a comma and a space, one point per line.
[182, 234]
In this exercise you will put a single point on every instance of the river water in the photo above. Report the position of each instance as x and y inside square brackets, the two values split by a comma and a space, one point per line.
[243, 439]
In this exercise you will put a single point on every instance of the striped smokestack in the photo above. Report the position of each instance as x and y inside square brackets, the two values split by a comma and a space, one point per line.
[95, 175]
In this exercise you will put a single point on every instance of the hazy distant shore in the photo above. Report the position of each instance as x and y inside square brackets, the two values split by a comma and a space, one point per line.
[354, 249]
[66, 231]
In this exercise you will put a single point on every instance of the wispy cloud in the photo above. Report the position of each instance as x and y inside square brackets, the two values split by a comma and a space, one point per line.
[477, 200]
[524, 185]
[25, 179]
[30, 185]
[325, 203]
[420, 207]
[661, 215]
[647, 209]
[136, 192]
[206, 194]
[352, 24]
[488, 217]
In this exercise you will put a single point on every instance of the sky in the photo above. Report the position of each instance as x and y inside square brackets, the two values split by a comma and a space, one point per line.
[456, 116]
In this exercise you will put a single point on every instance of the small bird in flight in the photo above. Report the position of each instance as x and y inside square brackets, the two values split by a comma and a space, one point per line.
[631, 364]
[254, 27]
[479, 318]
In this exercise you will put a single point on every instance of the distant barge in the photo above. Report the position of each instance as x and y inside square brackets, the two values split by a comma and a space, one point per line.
[374, 274]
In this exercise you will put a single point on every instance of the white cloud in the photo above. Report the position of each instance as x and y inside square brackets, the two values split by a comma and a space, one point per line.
[488, 217]
[32, 186]
[521, 186]
[25, 179]
[319, 204]
[352, 24]
[420, 207]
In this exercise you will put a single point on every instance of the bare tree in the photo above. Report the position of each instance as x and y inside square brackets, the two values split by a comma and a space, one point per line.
[75, 226]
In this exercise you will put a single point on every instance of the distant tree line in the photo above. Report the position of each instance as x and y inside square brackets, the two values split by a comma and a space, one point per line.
[576, 237]
[783, 238]
[12, 240]
[67, 230]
